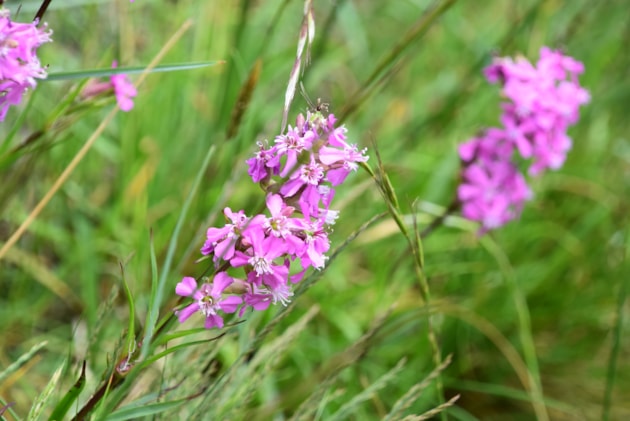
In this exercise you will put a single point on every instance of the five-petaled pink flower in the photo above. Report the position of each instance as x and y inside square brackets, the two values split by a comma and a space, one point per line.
[208, 299]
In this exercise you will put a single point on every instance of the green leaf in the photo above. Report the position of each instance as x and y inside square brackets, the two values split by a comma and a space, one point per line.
[135, 412]
[44, 397]
[179, 334]
[131, 335]
[53, 77]
[369, 392]
[64, 404]
[157, 290]
[4, 374]
[171, 350]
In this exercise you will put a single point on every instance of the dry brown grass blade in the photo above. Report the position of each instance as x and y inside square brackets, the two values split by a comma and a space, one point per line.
[243, 100]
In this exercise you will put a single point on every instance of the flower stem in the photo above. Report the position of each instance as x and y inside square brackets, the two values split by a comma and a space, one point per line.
[42, 9]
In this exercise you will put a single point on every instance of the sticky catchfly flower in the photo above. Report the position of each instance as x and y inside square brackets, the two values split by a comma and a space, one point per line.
[118, 84]
[19, 65]
[209, 299]
[542, 101]
[272, 251]
[123, 89]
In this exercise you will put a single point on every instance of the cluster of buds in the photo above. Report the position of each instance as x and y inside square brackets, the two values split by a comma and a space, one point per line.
[19, 65]
[543, 101]
[258, 259]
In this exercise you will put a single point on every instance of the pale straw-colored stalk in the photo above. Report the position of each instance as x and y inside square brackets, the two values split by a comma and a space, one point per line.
[307, 34]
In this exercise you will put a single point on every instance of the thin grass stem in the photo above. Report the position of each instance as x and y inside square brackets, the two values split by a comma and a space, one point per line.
[616, 337]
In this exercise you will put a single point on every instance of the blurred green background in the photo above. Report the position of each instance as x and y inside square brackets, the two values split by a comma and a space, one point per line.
[551, 282]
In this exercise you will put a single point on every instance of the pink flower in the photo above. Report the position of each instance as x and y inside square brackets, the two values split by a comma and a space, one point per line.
[119, 84]
[262, 252]
[305, 175]
[544, 100]
[263, 290]
[315, 246]
[297, 173]
[123, 89]
[208, 299]
[19, 65]
[279, 224]
[222, 241]
[341, 162]
[264, 164]
[257, 298]
[492, 190]
[291, 145]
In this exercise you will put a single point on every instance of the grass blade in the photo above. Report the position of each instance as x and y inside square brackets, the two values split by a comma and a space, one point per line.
[346, 410]
[157, 293]
[617, 333]
[135, 412]
[172, 349]
[21, 361]
[64, 404]
[243, 100]
[131, 330]
[414, 33]
[307, 32]
[435, 411]
[525, 327]
[44, 397]
[130, 70]
[413, 393]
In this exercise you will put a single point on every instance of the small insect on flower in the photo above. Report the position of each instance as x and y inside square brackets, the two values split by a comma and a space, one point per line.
[320, 107]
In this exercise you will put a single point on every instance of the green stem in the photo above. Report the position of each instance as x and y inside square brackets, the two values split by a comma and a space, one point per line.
[617, 333]
[415, 244]
[418, 253]
[42, 10]
[525, 330]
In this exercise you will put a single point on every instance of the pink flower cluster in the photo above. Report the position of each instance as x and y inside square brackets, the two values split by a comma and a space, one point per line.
[267, 254]
[543, 101]
[19, 65]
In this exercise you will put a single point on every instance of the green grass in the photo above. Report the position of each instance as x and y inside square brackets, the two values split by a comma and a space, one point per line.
[544, 293]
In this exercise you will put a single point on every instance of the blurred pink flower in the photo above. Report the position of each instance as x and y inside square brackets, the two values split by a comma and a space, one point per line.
[119, 84]
[543, 101]
[492, 190]
[19, 65]
[123, 89]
